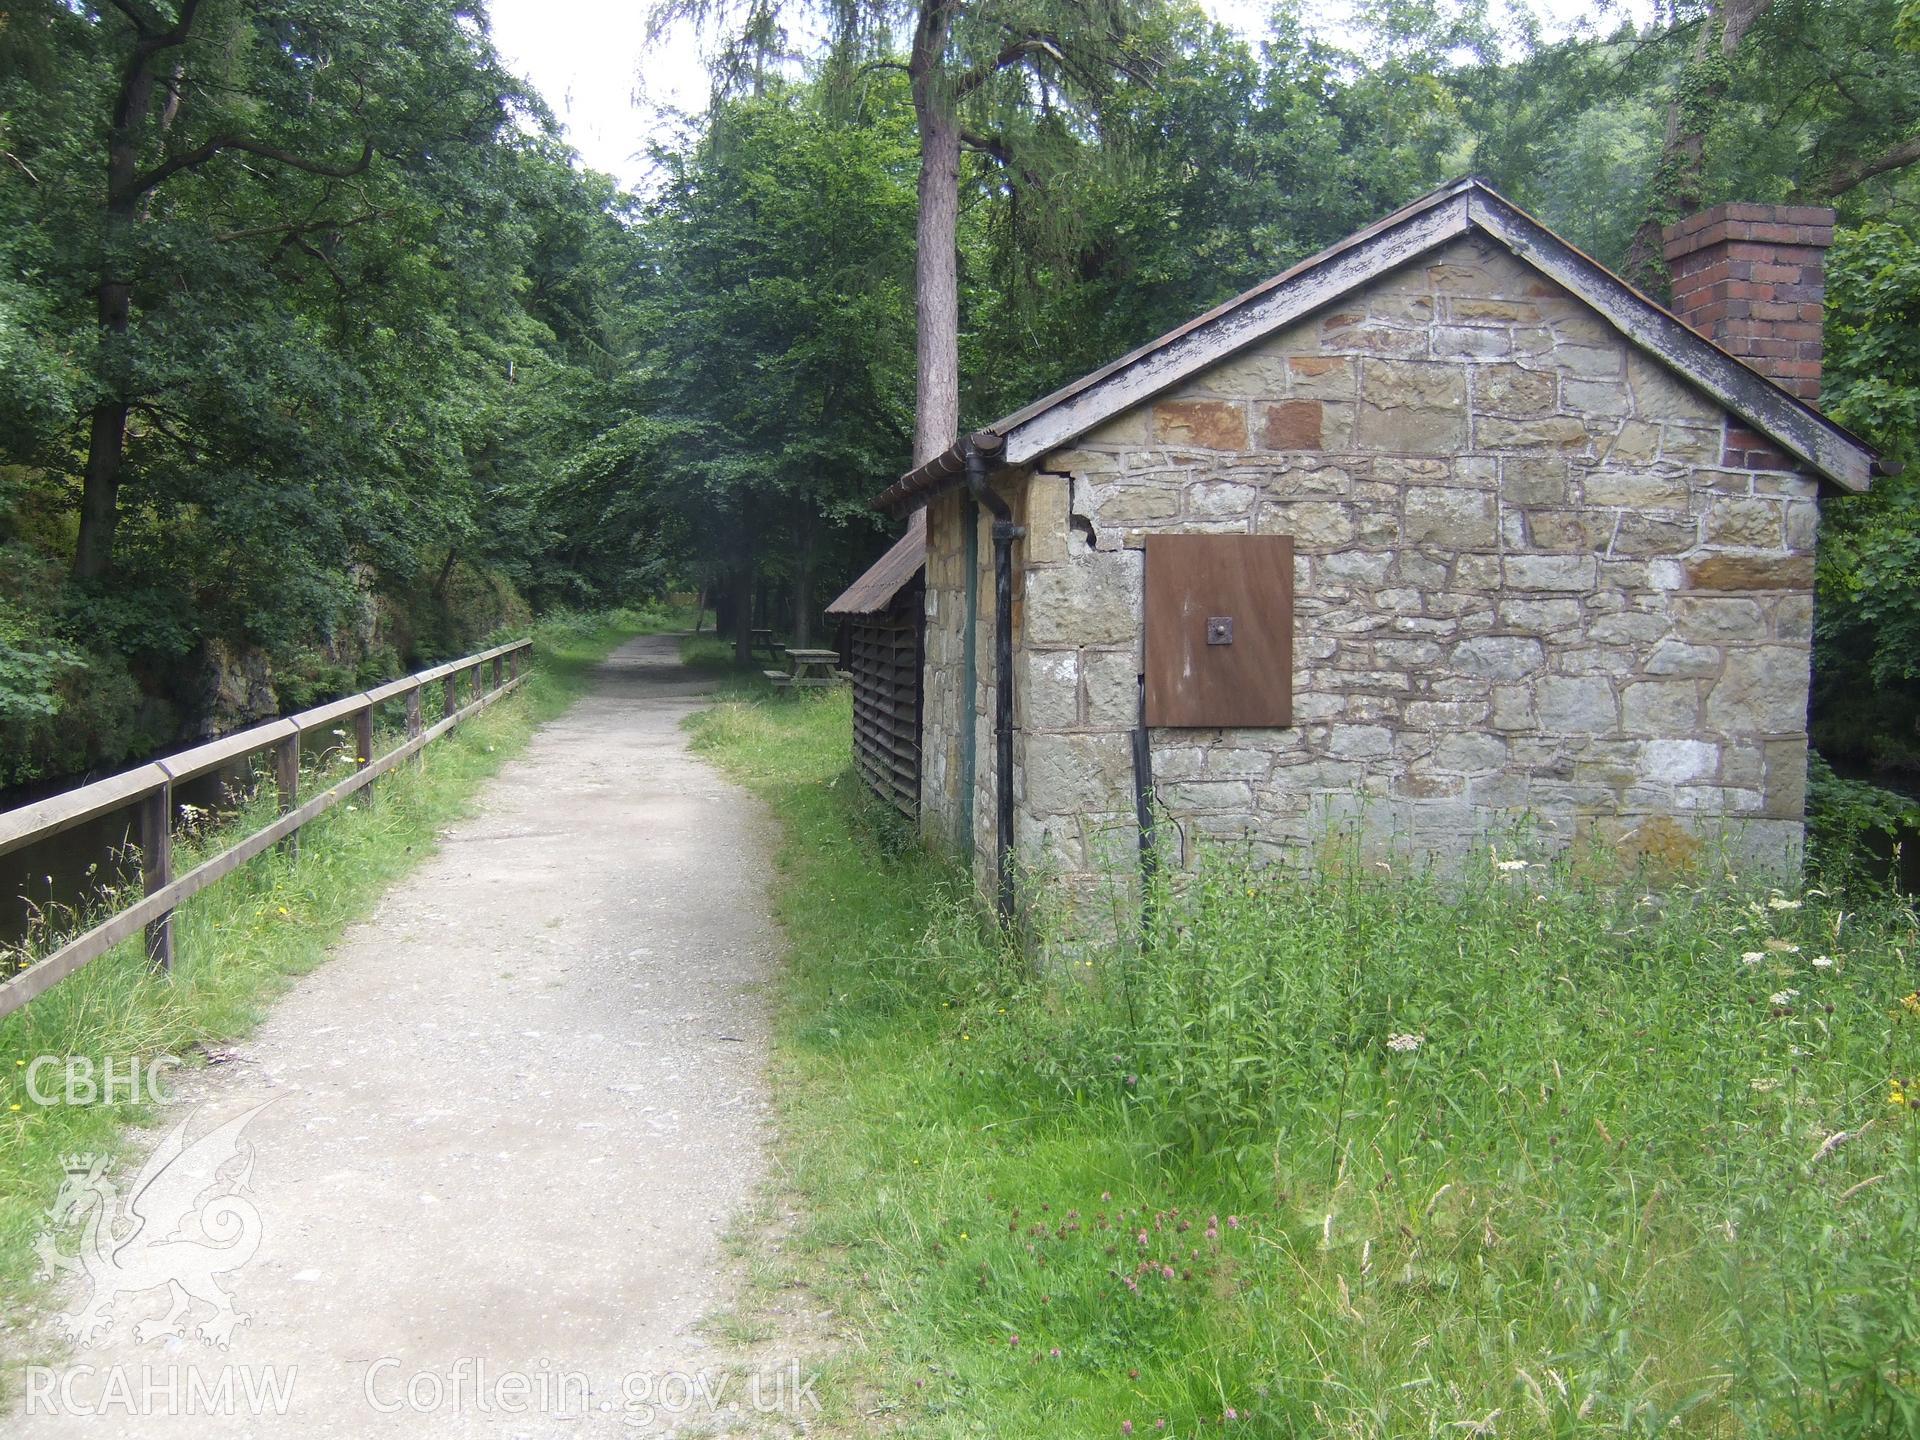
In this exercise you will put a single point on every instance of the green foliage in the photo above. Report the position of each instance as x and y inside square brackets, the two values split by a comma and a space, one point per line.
[339, 381]
[1851, 821]
[1867, 671]
[1632, 1170]
[780, 334]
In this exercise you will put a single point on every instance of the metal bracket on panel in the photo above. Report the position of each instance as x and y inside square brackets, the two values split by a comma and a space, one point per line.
[1219, 630]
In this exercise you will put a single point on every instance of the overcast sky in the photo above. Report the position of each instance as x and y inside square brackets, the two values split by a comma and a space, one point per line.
[592, 61]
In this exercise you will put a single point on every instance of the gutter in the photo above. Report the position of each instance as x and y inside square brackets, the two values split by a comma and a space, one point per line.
[937, 473]
[980, 454]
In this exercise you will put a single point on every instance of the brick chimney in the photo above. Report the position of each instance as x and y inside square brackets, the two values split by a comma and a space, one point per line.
[1752, 278]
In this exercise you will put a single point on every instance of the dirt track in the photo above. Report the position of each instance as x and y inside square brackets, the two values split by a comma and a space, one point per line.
[510, 1120]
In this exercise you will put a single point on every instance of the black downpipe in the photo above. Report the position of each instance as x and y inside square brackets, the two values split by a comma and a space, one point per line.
[981, 449]
[1143, 814]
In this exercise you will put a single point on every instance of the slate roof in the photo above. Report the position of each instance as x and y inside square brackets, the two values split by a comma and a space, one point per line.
[873, 592]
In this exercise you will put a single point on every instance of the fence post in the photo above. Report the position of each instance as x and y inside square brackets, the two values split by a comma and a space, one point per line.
[450, 694]
[497, 667]
[413, 719]
[479, 679]
[156, 869]
[363, 744]
[286, 779]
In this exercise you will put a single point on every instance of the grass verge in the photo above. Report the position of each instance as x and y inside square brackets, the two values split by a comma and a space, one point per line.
[241, 941]
[1362, 1155]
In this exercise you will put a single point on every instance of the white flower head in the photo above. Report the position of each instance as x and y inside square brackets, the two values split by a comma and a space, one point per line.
[1509, 866]
[1763, 1085]
[1405, 1044]
[1783, 998]
[1753, 957]
[1823, 962]
[1780, 903]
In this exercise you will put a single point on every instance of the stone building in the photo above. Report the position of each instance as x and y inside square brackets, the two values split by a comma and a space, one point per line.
[1551, 561]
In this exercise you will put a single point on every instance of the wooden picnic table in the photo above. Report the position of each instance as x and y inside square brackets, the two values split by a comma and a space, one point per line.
[761, 639]
[811, 668]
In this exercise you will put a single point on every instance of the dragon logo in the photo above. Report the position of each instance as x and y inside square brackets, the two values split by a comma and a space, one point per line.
[180, 1226]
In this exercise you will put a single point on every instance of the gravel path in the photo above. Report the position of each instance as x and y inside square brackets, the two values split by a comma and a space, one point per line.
[509, 1123]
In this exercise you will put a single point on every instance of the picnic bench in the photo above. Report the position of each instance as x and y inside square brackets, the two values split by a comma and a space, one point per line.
[811, 668]
[760, 639]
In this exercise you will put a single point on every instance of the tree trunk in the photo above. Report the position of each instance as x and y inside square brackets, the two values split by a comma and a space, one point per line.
[936, 279]
[743, 610]
[803, 583]
[1679, 178]
[107, 433]
[100, 488]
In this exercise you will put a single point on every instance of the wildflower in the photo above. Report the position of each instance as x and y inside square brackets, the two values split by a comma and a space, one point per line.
[1911, 1003]
[1753, 957]
[1780, 999]
[1126, 1427]
[1054, 1353]
[1233, 1222]
[1763, 1085]
[1405, 1044]
[13, 1107]
[1896, 1095]
[1783, 947]
[1823, 962]
[1013, 1341]
[1509, 866]
[1777, 903]
[1232, 1414]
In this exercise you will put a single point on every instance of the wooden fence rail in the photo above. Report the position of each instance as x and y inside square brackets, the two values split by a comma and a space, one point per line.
[150, 789]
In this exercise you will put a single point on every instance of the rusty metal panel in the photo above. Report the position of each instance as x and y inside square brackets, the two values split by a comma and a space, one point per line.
[1219, 630]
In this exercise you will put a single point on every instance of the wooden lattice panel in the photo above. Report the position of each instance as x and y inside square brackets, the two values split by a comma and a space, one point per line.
[886, 705]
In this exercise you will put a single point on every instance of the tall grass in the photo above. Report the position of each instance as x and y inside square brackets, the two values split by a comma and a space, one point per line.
[1366, 1154]
[240, 941]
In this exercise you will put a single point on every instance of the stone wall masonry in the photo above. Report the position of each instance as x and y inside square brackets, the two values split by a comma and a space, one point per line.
[1530, 587]
[948, 711]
